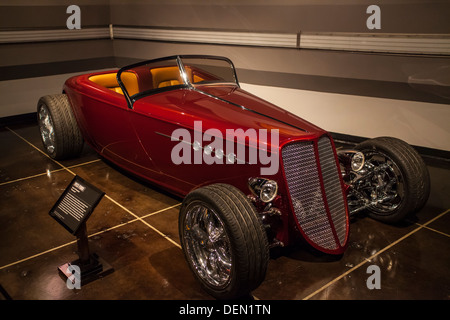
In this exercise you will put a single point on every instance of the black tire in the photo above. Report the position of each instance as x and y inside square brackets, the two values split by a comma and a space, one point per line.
[414, 176]
[60, 134]
[245, 243]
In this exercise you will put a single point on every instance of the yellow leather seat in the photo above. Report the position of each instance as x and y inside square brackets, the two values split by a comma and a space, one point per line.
[166, 76]
[109, 80]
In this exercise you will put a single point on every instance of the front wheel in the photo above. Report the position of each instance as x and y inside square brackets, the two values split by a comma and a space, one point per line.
[395, 182]
[223, 240]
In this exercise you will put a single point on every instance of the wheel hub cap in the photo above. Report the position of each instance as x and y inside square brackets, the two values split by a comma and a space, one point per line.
[208, 245]
[47, 130]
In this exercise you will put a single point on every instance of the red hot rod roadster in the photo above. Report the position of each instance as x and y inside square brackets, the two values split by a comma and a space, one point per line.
[252, 175]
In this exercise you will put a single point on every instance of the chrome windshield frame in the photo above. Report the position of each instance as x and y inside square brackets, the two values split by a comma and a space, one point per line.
[179, 60]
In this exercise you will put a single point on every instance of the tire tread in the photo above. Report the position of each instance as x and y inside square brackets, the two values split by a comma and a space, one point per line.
[69, 141]
[246, 234]
[414, 171]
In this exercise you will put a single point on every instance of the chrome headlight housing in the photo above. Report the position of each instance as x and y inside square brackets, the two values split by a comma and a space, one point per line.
[265, 189]
[351, 159]
[357, 162]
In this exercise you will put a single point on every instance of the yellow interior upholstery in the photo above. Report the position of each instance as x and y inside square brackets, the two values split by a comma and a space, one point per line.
[160, 77]
[164, 77]
[197, 79]
[109, 80]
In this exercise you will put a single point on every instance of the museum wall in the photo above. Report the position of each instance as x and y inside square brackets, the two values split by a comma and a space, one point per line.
[354, 91]
[359, 93]
[35, 54]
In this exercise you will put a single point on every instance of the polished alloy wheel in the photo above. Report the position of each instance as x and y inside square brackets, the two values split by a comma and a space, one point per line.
[386, 183]
[207, 244]
[47, 129]
[223, 240]
[394, 183]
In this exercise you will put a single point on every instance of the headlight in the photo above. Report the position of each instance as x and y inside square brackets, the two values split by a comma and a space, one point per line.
[357, 162]
[351, 159]
[263, 188]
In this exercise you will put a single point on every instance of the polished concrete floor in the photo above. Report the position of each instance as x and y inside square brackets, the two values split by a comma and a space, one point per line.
[134, 229]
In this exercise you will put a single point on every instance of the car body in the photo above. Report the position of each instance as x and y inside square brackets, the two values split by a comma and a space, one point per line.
[253, 176]
[137, 135]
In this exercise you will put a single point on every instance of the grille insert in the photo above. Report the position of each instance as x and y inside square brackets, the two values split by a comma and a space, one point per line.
[308, 200]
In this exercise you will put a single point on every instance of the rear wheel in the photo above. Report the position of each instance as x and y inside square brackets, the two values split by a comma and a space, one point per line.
[223, 241]
[58, 127]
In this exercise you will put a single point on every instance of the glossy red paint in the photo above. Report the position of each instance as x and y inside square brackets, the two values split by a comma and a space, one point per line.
[138, 138]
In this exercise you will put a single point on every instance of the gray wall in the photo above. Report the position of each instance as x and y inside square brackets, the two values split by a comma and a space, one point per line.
[359, 93]
[31, 69]
[398, 16]
[47, 15]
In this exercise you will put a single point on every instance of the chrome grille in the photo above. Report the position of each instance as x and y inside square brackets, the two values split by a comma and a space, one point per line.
[333, 189]
[308, 200]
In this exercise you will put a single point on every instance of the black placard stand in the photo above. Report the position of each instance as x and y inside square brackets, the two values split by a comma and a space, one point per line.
[72, 210]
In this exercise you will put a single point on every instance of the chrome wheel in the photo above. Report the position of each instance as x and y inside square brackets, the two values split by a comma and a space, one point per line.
[58, 126]
[223, 240]
[207, 244]
[47, 129]
[385, 184]
[378, 186]
[393, 184]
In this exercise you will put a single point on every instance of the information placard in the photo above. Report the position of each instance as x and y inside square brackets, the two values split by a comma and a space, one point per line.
[76, 204]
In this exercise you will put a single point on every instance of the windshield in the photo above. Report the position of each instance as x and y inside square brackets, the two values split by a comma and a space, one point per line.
[154, 76]
[146, 77]
[202, 70]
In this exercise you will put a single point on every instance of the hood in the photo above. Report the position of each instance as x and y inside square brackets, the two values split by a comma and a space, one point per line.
[225, 108]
